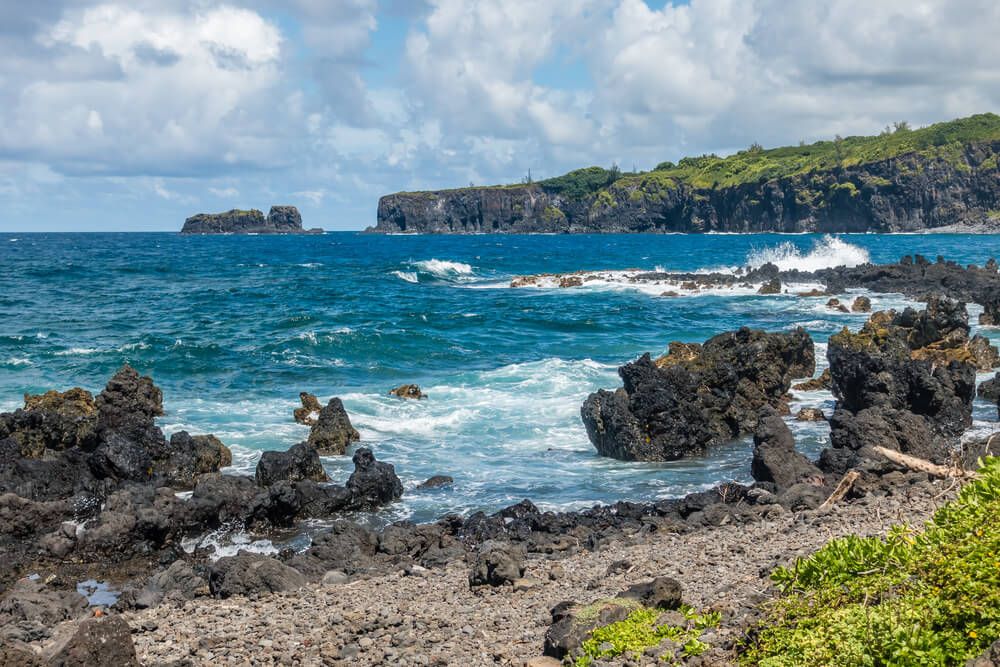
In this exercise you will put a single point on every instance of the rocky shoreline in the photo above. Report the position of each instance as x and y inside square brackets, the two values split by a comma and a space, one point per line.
[90, 488]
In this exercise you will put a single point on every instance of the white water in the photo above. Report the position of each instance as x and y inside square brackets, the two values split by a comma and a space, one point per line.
[826, 253]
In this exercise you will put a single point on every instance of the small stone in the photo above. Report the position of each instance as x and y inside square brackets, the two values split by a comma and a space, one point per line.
[365, 643]
[334, 578]
[526, 584]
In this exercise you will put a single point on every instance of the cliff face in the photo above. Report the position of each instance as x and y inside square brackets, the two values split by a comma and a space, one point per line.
[279, 220]
[909, 192]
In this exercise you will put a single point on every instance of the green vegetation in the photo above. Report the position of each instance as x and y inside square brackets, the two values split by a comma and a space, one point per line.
[582, 182]
[640, 631]
[929, 597]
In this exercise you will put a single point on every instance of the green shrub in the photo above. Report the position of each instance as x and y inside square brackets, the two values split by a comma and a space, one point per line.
[915, 597]
[640, 631]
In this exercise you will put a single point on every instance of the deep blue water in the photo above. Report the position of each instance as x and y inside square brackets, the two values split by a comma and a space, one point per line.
[233, 328]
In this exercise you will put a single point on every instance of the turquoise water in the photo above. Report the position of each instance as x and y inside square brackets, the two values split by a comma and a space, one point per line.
[233, 328]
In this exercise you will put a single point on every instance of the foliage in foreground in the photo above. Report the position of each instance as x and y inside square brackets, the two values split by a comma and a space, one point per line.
[640, 631]
[929, 597]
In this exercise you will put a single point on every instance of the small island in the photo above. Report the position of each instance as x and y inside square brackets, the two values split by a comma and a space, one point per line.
[279, 220]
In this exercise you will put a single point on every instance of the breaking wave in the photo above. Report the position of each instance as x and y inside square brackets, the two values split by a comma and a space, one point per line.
[827, 252]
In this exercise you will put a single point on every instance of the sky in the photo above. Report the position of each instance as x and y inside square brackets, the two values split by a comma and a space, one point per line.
[131, 115]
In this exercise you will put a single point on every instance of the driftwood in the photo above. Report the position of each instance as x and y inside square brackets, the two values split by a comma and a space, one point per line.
[842, 488]
[921, 465]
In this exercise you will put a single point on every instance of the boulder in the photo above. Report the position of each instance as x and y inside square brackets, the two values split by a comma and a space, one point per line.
[774, 457]
[696, 397]
[408, 391]
[772, 286]
[496, 563]
[435, 482]
[835, 304]
[810, 415]
[373, 483]
[252, 574]
[29, 610]
[862, 304]
[333, 432]
[572, 624]
[662, 593]
[346, 546]
[300, 462]
[179, 579]
[816, 384]
[309, 412]
[95, 641]
[989, 658]
[990, 389]
[189, 456]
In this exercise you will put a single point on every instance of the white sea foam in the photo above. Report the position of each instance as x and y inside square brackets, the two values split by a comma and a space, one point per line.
[827, 252]
[442, 268]
[228, 542]
[76, 352]
[18, 361]
[408, 276]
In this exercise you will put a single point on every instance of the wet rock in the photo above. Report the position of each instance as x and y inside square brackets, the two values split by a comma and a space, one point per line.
[373, 483]
[835, 304]
[300, 462]
[252, 574]
[774, 457]
[95, 641]
[435, 482]
[772, 286]
[816, 384]
[662, 593]
[984, 355]
[695, 397]
[862, 304]
[570, 281]
[496, 563]
[408, 391]
[309, 412]
[333, 432]
[810, 415]
[990, 389]
[190, 456]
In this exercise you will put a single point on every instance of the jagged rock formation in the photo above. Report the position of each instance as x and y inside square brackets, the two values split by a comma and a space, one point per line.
[943, 176]
[279, 220]
[697, 395]
[905, 381]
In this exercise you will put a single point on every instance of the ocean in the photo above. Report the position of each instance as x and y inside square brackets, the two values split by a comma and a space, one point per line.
[232, 328]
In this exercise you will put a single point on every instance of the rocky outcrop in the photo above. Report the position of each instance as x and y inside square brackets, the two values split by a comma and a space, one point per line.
[495, 564]
[333, 431]
[252, 574]
[774, 457]
[279, 220]
[905, 381]
[696, 396]
[300, 462]
[408, 391]
[938, 188]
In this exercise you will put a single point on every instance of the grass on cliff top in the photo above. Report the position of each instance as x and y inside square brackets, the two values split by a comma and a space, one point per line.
[944, 140]
[915, 597]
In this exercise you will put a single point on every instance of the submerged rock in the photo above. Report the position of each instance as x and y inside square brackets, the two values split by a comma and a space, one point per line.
[810, 415]
[333, 432]
[772, 286]
[436, 482]
[816, 384]
[696, 396]
[408, 391]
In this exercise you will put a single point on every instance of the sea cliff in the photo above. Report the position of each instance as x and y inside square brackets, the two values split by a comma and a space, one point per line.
[940, 178]
[279, 220]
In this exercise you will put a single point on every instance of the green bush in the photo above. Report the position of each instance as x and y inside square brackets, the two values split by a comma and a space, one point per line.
[640, 631]
[915, 597]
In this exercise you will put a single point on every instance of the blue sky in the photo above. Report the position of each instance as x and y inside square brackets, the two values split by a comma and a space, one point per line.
[132, 115]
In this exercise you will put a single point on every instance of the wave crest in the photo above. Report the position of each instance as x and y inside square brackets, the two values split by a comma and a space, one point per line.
[826, 253]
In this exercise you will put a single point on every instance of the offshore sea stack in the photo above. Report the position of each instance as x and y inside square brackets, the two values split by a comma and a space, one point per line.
[906, 381]
[697, 395]
[279, 220]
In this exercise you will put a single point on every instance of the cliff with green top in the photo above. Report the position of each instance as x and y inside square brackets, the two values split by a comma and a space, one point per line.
[942, 177]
